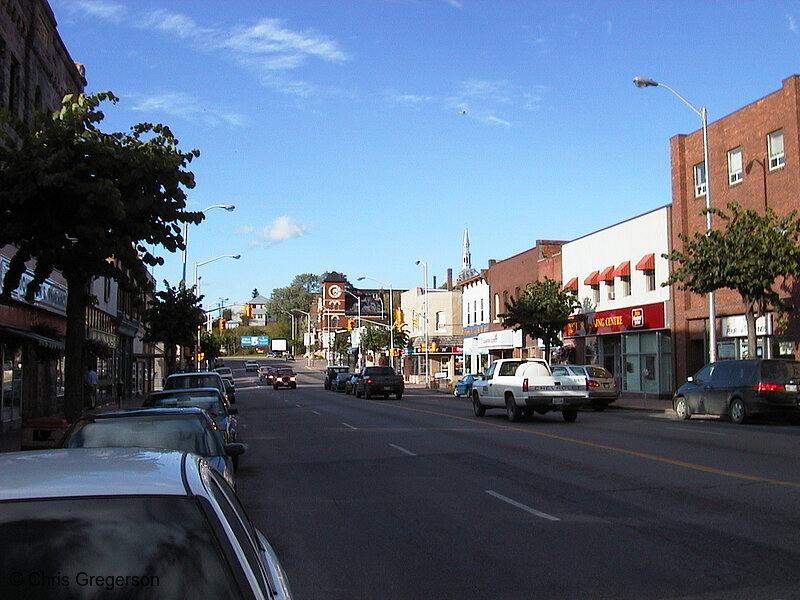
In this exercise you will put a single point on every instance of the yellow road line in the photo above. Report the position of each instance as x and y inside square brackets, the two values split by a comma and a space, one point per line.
[644, 455]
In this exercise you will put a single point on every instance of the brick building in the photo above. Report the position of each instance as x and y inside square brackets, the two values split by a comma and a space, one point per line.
[754, 156]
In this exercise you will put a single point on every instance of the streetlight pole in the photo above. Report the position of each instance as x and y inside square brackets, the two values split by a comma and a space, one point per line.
[200, 264]
[294, 331]
[308, 332]
[228, 207]
[391, 315]
[358, 299]
[643, 82]
[427, 312]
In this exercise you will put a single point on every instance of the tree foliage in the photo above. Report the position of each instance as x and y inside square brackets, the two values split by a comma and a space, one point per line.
[297, 295]
[541, 311]
[173, 319]
[751, 254]
[72, 197]
[374, 338]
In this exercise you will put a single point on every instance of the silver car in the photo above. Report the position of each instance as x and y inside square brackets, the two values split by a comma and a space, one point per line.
[128, 523]
[603, 388]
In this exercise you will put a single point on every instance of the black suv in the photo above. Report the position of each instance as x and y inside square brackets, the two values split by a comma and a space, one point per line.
[330, 376]
[741, 388]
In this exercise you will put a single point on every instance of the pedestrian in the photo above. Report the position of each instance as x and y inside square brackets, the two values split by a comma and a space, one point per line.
[91, 387]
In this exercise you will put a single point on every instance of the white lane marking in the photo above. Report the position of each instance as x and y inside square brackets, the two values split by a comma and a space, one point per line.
[694, 430]
[533, 511]
[401, 449]
[350, 426]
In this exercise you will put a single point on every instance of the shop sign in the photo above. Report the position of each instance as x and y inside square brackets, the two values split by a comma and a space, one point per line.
[498, 339]
[51, 296]
[737, 326]
[647, 316]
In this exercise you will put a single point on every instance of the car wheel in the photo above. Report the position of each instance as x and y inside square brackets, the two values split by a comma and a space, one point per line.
[456, 394]
[570, 414]
[512, 410]
[682, 408]
[367, 394]
[274, 387]
[386, 395]
[478, 408]
[399, 395]
[293, 387]
[737, 412]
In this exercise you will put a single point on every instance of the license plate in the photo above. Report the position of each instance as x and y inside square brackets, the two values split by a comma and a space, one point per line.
[606, 385]
[558, 401]
[386, 388]
[791, 387]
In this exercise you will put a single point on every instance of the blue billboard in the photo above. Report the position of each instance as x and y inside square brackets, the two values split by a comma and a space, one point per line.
[254, 340]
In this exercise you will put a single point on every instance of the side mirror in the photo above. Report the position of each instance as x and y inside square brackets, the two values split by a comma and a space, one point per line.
[234, 449]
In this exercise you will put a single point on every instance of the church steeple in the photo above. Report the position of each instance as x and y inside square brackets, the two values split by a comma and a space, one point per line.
[466, 259]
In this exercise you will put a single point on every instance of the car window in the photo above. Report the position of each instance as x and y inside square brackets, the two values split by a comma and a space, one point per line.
[598, 372]
[286, 372]
[509, 368]
[194, 381]
[165, 432]
[210, 404]
[162, 546]
[704, 374]
[780, 371]
[721, 376]
[556, 370]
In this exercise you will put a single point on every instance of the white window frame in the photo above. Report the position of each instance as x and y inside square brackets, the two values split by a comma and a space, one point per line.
[441, 320]
[777, 156]
[650, 279]
[735, 171]
[595, 294]
[700, 187]
[610, 289]
[626, 285]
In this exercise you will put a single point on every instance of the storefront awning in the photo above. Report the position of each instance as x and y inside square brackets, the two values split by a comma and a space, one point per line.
[572, 284]
[607, 274]
[20, 333]
[592, 279]
[624, 270]
[648, 263]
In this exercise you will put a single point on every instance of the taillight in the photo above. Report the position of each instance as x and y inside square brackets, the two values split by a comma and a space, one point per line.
[769, 387]
[368, 381]
[590, 383]
[525, 385]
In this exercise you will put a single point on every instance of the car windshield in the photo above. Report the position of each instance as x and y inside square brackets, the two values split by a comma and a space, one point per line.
[780, 371]
[192, 381]
[172, 432]
[134, 547]
[208, 402]
[285, 372]
[224, 371]
[343, 376]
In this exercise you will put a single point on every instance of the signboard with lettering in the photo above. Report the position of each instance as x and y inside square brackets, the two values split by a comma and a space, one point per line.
[646, 316]
[254, 340]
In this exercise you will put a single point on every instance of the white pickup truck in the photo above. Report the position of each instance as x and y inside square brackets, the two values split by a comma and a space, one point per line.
[525, 386]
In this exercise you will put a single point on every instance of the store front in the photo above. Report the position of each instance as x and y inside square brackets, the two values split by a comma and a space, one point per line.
[632, 343]
[732, 342]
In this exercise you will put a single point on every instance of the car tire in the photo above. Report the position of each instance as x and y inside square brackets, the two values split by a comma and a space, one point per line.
[274, 387]
[737, 411]
[367, 394]
[293, 387]
[682, 408]
[386, 395]
[456, 394]
[512, 410]
[399, 395]
[478, 408]
[569, 414]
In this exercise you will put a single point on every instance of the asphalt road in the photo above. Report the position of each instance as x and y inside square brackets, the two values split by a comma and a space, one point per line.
[418, 499]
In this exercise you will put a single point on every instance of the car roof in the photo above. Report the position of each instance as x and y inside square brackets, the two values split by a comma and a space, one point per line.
[192, 374]
[157, 411]
[96, 472]
[204, 391]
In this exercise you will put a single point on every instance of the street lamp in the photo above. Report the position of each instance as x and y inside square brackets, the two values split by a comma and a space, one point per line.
[228, 207]
[294, 331]
[391, 315]
[643, 82]
[427, 312]
[308, 333]
[358, 299]
[197, 291]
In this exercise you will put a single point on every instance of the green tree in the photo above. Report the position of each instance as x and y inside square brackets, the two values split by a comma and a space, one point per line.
[173, 318]
[750, 255]
[374, 338]
[209, 345]
[341, 343]
[73, 197]
[541, 311]
[254, 293]
[298, 295]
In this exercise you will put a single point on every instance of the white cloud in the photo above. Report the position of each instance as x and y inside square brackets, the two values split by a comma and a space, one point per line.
[173, 23]
[406, 99]
[454, 3]
[283, 228]
[792, 23]
[179, 104]
[100, 9]
[269, 37]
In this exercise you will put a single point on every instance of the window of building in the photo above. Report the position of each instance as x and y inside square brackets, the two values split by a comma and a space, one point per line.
[700, 179]
[482, 315]
[775, 149]
[468, 314]
[596, 293]
[441, 322]
[475, 311]
[626, 285]
[497, 310]
[650, 279]
[610, 289]
[735, 166]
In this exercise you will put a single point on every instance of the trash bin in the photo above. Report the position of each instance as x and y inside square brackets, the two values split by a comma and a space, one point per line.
[42, 432]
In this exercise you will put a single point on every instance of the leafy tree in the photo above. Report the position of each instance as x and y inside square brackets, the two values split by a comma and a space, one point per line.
[209, 345]
[73, 197]
[255, 293]
[173, 318]
[541, 311]
[341, 343]
[401, 336]
[749, 255]
[298, 295]
[374, 338]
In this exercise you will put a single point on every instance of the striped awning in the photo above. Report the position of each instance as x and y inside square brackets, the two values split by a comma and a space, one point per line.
[648, 263]
[592, 279]
[572, 284]
[607, 274]
[624, 270]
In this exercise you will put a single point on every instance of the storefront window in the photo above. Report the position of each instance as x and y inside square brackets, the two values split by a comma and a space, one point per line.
[11, 394]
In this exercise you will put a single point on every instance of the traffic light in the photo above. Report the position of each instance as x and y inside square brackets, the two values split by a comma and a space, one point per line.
[222, 324]
[350, 324]
[248, 311]
[415, 322]
[398, 319]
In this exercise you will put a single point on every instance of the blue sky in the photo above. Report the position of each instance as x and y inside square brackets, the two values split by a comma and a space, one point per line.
[360, 136]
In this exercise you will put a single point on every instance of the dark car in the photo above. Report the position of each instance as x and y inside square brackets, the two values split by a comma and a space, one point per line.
[350, 384]
[181, 429]
[284, 377]
[463, 386]
[183, 381]
[340, 383]
[378, 380]
[128, 523]
[740, 389]
[266, 374]
[603, 388]
[209, 399]
[331, 373]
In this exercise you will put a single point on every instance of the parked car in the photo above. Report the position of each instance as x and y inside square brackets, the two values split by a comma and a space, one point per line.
[225, 372]
[230, 390]
[250, 365]
[331, 373]
[183, 381]
[284, 377]
[350, 384]
[740, 389]
[379, 381]
[463, 386]
[182, 429]
[165, 522]
[209, 399]
[340, 383]
[603, 388]
[266, 374]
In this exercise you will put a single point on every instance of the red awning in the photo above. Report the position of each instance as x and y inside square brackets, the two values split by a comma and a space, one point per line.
[572, 284]
[607, 274]
[648, 263]
[624, 270]
[592, 279]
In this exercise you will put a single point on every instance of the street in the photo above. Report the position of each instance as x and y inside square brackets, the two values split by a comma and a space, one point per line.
[420, 499]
